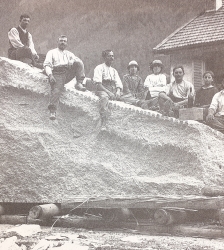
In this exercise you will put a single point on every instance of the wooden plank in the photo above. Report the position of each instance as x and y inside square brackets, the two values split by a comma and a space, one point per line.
[191, 114]
[19, 219]
[145, 228]
[150, 203]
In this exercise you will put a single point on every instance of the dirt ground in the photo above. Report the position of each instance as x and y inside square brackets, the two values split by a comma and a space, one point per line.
[81, 239]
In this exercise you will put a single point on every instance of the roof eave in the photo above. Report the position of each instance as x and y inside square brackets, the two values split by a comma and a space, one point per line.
[187, 47]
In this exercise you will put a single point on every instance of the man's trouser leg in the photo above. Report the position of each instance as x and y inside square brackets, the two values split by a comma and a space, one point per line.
[12, 54]
[103, 104]
[151, 104]
[130, 99]
[24, 54]
[217, 123]
[56, 90]
[145, 104]
[165, 105]
[76, 70]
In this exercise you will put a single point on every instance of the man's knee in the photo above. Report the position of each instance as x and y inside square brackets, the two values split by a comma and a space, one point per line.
[12, 55]
[24, 52]
[78, 65]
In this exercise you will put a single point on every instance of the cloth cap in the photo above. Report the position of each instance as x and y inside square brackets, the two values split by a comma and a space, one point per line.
[131, 63]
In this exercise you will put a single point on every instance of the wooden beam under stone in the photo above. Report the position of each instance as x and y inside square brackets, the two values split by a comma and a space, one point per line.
[187, 202]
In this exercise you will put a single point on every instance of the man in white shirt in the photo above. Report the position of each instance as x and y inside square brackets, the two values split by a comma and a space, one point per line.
[176, 94]
[215, 117]
[108, 82]
[21, 42]
[61, 66]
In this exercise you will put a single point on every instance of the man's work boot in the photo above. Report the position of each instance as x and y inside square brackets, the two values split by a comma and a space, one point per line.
[80, 87]
[52, 116]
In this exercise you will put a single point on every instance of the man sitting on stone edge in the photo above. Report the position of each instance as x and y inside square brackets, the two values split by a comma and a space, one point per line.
[61, 66]
[176, 94]
[215, 117]
[21, 43]
[108, 83]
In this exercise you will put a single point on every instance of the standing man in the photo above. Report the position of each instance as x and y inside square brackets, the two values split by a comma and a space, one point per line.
[61, 66]
[108, 82]
[176, 94]
[21, 42]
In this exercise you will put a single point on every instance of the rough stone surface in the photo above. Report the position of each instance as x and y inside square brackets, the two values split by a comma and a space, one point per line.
[140, 153]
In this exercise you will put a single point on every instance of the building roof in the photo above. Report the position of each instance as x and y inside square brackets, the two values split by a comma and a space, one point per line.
[205, 29]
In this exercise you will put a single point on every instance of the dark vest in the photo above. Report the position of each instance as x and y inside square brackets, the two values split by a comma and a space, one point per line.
[23, 37]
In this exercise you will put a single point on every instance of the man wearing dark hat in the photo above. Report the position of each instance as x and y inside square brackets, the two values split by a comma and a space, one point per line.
[21, 42]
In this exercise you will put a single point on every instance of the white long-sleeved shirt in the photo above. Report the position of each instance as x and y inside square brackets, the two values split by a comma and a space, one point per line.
[104, 73]
[180, 90]
[57, 57]
[217, 103]
[155, 84]
[14, 39]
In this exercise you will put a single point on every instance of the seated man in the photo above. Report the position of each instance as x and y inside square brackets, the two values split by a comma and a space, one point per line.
[21, 43]
[62, 66]
[109, 84]
[176, 94]
[215, 117]
[133, 89]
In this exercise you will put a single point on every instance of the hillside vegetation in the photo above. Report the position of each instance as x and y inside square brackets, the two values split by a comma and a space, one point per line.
[131, 28]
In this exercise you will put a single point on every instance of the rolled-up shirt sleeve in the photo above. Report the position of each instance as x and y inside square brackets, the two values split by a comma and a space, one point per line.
[214, 103]
[14, 38]
[31, 44]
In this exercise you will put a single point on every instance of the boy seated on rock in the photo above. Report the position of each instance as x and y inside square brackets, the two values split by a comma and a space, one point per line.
[133, 89]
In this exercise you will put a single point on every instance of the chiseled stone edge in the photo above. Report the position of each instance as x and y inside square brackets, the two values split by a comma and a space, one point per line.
[36, 76]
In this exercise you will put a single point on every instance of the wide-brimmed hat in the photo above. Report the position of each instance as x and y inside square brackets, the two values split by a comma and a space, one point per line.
[131, 63]
[156, 63]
